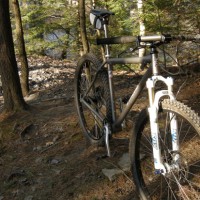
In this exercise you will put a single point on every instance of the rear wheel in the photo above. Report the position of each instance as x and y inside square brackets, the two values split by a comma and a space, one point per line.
[183, 179]
[94, 107]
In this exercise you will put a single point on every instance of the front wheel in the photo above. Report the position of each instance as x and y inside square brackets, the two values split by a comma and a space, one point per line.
[183, 179]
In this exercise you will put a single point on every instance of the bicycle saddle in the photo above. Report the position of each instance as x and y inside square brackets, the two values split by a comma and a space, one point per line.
[101, 13]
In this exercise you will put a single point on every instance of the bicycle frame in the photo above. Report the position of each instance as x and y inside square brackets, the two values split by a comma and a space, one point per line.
[117, 121]
[116, 125]
[149, 80]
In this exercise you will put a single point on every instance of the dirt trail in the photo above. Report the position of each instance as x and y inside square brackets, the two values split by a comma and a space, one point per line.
[43, 154]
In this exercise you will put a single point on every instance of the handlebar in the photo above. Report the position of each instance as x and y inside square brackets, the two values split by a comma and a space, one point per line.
[116, 40]
[152, 38]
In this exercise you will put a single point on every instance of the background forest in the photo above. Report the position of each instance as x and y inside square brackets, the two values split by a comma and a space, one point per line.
[52, 27]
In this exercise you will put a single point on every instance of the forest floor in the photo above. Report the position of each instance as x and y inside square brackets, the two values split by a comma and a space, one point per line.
[43, 153]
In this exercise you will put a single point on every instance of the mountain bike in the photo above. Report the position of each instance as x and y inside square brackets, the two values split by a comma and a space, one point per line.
[165, 142]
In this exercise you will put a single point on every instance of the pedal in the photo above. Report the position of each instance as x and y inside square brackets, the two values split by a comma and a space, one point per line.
[107, 133]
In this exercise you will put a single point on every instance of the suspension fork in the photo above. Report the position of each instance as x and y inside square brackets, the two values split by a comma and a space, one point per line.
[154, 99]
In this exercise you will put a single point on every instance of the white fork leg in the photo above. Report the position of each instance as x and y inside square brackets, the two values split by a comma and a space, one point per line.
[174, 135]
[153, 117]
[158, 163]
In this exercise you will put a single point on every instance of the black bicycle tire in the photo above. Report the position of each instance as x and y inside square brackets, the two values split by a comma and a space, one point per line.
[166, 105]
[104, 77]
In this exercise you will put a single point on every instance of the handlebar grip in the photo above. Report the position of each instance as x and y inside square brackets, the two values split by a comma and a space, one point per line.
[116, 40]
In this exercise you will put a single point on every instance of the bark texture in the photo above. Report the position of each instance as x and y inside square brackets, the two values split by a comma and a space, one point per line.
[13, 99]
[21, 48]
[83, 26]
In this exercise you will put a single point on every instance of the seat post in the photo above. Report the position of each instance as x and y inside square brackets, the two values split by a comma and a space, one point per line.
[105, 28]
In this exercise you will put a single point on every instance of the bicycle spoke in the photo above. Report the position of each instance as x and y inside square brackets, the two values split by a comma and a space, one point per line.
[92, 98]
[181, 179]
[170, 190]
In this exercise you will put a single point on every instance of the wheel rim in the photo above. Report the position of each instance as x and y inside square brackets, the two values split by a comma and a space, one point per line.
[92, 125]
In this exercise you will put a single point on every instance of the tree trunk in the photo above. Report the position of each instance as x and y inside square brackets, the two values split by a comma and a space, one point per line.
[141, 24]
[82, 19]
[13, 99]
[21, 48]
